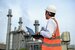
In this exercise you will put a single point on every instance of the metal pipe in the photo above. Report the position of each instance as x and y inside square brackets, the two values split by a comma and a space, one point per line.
[8, 30]
[36, 24]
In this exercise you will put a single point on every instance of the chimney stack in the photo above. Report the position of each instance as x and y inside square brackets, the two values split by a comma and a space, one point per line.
[8, 29]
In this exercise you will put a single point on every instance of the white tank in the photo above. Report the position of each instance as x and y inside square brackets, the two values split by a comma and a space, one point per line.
[65, 36]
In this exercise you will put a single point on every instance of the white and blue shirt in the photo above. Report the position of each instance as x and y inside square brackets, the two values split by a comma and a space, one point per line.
[49, 29]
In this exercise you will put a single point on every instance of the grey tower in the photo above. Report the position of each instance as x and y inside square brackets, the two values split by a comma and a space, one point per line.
[20, 23]
[8, 30]
[36, 24]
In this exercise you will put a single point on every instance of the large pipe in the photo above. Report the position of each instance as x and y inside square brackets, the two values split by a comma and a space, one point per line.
[8, 30]
[36, 24]
[20, 23]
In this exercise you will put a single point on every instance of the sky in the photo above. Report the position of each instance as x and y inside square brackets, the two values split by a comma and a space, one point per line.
[31, 10]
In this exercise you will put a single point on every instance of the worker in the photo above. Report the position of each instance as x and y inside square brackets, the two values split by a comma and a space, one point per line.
[51, 33]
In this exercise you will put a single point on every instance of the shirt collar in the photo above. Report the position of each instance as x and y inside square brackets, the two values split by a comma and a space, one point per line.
[51, 18]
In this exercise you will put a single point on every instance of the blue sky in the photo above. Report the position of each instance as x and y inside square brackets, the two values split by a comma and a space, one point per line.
[31, 10]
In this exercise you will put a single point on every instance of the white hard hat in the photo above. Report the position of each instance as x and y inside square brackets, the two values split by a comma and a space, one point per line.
[51, 8]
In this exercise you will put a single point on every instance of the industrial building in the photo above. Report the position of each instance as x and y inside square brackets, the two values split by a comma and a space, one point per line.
[22, 39]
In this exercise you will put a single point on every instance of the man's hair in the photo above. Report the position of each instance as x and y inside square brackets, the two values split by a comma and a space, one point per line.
[50, 14]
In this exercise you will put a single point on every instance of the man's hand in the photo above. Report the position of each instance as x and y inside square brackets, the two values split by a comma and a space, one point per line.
[37, 33]
[54, 35]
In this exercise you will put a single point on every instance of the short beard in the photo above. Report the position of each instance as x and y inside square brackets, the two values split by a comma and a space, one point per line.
[47, 18]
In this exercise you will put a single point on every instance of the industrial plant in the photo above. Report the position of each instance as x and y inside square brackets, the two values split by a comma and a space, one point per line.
[27, 40]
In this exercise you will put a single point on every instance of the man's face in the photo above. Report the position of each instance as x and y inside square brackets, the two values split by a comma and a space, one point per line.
[46, 15]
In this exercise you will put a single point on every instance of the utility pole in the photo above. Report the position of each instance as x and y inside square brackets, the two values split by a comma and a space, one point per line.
[8, 30]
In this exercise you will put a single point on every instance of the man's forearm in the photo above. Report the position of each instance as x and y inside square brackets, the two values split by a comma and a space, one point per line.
[46, 34]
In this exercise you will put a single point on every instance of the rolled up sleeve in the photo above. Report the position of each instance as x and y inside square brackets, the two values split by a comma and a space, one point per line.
[46, 34]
